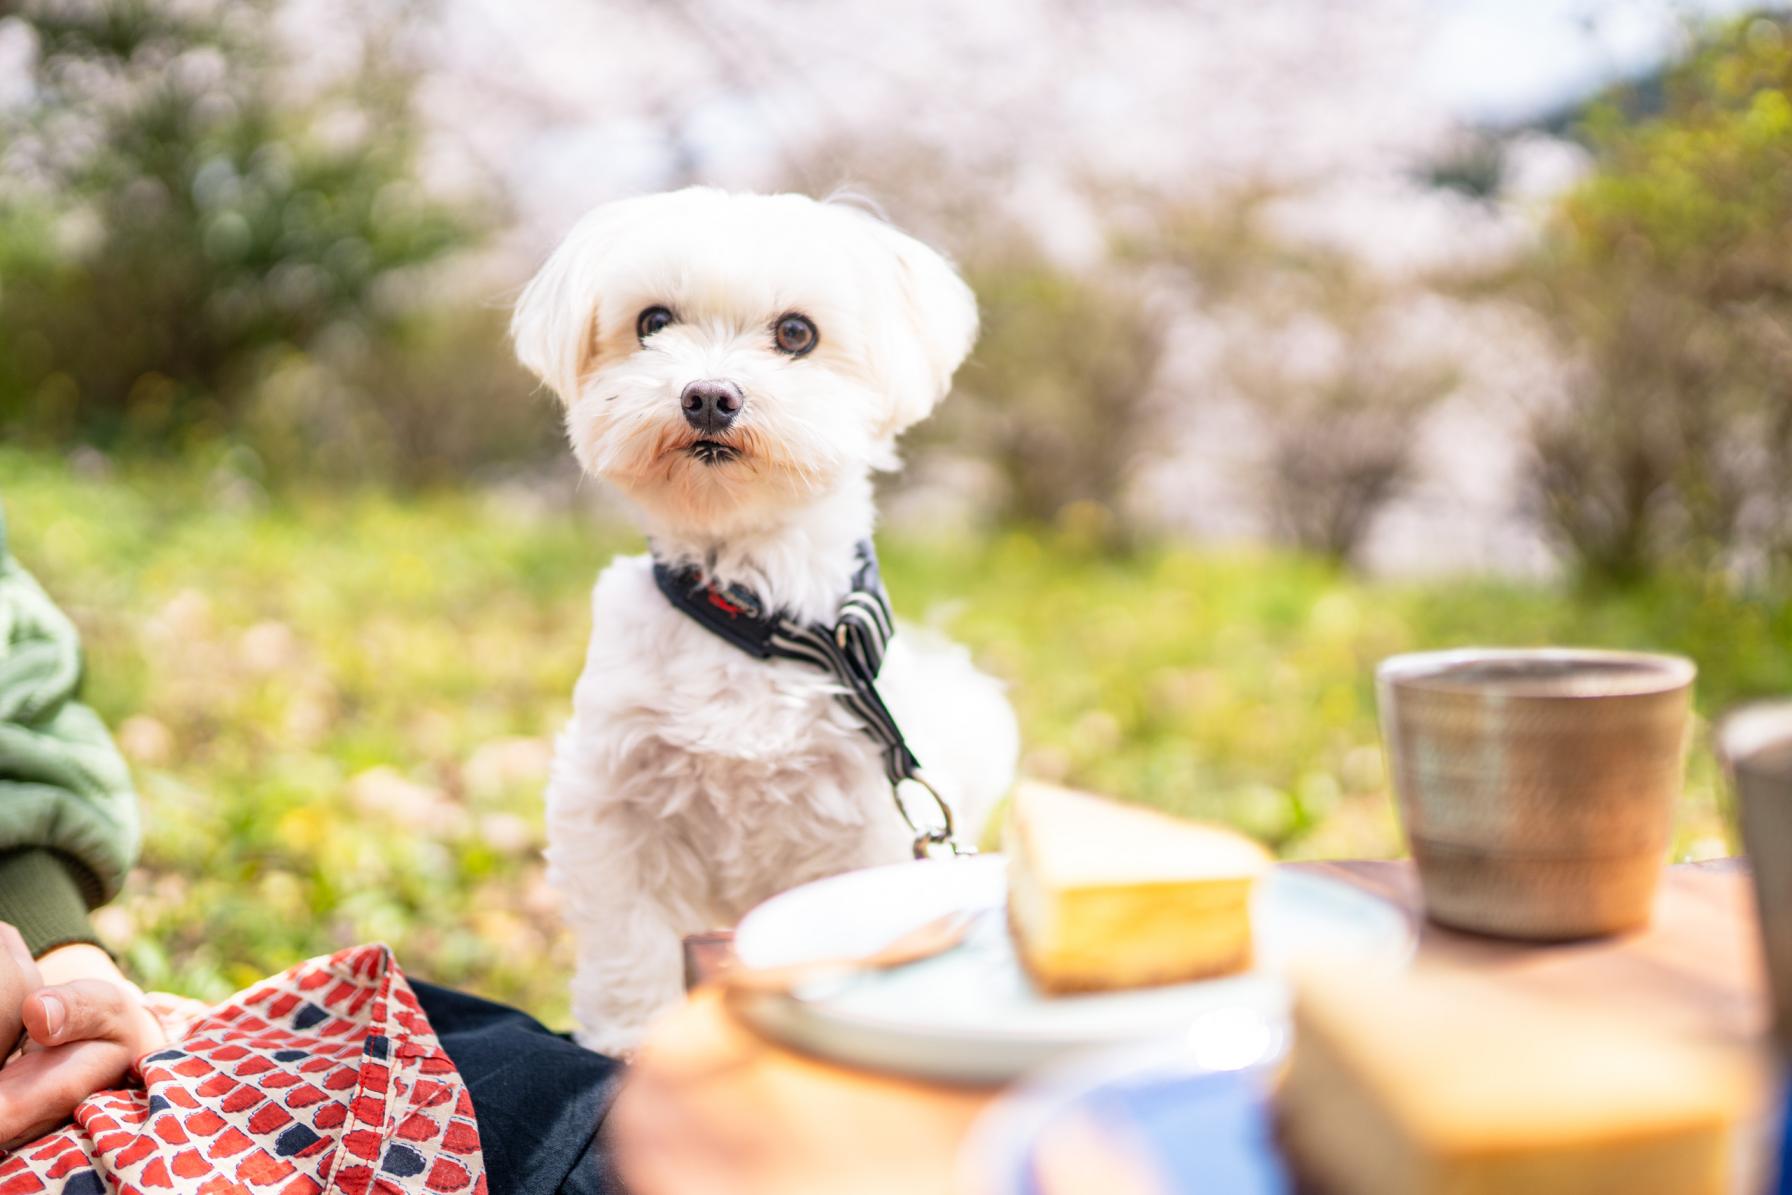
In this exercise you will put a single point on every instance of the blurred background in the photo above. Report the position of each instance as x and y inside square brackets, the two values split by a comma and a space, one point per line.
[1339, 329]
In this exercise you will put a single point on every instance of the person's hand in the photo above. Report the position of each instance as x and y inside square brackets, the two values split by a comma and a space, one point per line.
[84, 1027]
[18, 979]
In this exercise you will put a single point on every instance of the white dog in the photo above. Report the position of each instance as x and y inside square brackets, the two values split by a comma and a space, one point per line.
[737, 366]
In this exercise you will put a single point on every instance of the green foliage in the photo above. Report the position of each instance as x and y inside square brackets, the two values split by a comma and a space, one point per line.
[1712, 171]
[339, 707]
[177, 205]
[1668, 277]
[437, 398]
[338, 710]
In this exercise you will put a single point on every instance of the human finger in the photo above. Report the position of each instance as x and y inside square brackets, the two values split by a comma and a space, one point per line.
[80, 1010]
[40, 1091]
[14, 943]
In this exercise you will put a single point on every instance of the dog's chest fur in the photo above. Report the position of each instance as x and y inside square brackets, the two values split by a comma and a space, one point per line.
[746, 774]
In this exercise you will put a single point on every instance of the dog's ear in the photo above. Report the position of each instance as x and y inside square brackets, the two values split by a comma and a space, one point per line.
[554, 327]
[940, 313]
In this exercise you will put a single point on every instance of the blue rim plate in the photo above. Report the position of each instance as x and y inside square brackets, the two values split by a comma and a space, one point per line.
[971, 1015]
[1157, 1117]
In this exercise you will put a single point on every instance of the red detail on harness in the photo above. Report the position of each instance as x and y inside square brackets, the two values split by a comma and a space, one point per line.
[723, 604]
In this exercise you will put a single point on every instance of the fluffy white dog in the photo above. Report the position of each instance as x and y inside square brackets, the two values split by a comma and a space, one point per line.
[738, 366]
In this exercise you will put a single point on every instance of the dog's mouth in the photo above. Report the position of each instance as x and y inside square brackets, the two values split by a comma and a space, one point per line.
[712, 452]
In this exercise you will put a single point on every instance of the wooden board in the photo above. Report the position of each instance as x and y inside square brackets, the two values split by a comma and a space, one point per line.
[711, 1108]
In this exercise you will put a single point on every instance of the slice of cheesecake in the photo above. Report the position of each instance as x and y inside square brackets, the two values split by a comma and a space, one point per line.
[1440, 1085]
[1107, 895]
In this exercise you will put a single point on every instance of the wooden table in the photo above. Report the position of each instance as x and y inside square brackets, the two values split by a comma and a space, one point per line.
[711, 1108]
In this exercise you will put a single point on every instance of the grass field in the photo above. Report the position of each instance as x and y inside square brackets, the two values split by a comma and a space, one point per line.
[339, 705]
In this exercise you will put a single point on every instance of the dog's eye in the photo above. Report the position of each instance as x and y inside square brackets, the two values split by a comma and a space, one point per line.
[794, 334]
[651, 320]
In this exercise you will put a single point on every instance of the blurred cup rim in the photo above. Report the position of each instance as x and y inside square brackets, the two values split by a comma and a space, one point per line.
[1620, 673]
[1747, 732]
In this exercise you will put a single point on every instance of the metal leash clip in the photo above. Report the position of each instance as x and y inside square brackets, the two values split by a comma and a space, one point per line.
[931, 841]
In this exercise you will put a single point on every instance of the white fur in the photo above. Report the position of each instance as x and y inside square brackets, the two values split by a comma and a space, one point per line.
[694, 780]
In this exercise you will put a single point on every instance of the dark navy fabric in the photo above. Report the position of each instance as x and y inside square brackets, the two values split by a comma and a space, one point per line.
[540, 1099]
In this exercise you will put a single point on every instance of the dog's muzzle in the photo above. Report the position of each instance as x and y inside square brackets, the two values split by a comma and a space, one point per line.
[711, 404]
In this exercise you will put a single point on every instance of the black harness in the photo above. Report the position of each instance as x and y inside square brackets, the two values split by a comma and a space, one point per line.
[851, 651]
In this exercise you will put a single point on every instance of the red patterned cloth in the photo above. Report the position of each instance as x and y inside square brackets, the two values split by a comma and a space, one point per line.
[327, 1077]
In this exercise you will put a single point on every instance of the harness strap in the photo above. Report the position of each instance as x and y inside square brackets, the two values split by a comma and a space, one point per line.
[851, 651]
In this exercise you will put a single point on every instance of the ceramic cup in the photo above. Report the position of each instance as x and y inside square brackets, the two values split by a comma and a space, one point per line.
[1537, 786]
[1756, 745]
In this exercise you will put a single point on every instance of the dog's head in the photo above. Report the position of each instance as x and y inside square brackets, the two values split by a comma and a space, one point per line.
[722, 355]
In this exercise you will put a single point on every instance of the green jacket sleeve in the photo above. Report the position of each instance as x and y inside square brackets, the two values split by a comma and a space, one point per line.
[68, 814]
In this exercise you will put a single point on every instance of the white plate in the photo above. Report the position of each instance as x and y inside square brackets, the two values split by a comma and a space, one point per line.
[971, 1014]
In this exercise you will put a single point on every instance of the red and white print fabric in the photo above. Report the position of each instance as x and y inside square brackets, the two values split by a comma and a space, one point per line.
[326, 1078]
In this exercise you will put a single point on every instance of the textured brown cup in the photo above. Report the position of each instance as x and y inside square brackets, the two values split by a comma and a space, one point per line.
[1756, 746]
[1537, 787]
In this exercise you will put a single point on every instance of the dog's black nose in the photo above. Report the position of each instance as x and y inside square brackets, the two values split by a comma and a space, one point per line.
[711, 404]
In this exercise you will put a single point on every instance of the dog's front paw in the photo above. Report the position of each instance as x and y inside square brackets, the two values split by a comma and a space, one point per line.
[616, 1041]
